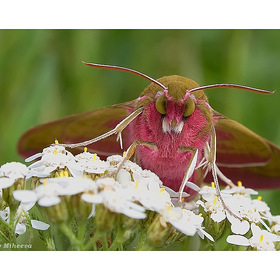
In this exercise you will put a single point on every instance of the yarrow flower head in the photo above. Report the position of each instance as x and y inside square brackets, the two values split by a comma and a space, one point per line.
[22, 218]
[261, 240]
[10, 172]
[52, 158]
[184, 220]
[239, 201]
[91, 163]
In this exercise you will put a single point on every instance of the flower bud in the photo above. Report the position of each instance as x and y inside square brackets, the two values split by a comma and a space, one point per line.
[215, 229]
[57, 213]
[104, 218]
[7, 193]
[78, 208]
[160, 233]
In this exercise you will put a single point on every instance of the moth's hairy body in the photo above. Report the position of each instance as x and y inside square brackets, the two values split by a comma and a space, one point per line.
[171, 132]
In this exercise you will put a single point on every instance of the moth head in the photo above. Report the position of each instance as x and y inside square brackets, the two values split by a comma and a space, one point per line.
[188, 105]
[174, 106]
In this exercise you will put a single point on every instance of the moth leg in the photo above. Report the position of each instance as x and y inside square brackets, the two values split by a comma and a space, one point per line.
[131, 150]
[117, 130]
[189, 170]
[206, 163]
[224, 178]
[212, 160]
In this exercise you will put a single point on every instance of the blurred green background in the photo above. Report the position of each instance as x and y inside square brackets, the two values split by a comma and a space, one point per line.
[42, 77]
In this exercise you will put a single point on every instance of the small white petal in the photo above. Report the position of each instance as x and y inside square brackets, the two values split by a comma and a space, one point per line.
[5, 214]
[174, 194]
[91, 198]
[27, 206]
[201, 232]
[123, 177]
[50, 169]
[135, 206]
[74, 170]
[25, 195]
[20, 228]
[6, 183]
[36, 164]
[193, 186]
[39, 225]
[33, 157]
[256, 231]
[49, 201]
[134, 214]
[38, 174]
[186, 228]
[276, 228]
[237, 226]
[240, 227]
[218, 216]
[238, 240]
[92, 213]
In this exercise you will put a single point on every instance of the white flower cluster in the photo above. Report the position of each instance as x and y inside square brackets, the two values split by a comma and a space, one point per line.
[10, 172]
[125, 188]
[251, 214]
[22, 218]
[132, 191]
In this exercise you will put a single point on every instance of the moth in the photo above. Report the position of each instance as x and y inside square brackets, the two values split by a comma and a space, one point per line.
[172, 130]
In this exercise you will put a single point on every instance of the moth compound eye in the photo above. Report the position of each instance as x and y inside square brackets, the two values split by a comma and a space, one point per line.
[161, 104]
[190, 106]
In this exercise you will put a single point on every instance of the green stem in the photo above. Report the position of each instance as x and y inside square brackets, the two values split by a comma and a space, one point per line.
[142, 240]
[118, 240]
[81, 231]
[5, 224]
[4, 237]
[50, 244]
[146, 247]
[76, 243]
[12, 225]
[206, 245]
[92, 241]
[104, 242]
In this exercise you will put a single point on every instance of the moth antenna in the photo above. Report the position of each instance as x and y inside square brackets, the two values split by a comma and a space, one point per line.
[231, 86]
[120, 68]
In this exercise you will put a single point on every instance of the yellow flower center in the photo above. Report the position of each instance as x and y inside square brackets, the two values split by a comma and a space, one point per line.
[215, 200]
[94, 157]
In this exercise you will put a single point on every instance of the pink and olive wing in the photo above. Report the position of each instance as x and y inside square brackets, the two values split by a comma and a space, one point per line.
[243, 155]
[79, 128]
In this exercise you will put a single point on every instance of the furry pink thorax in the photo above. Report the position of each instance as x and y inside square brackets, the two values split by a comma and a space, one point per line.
[167, 161]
